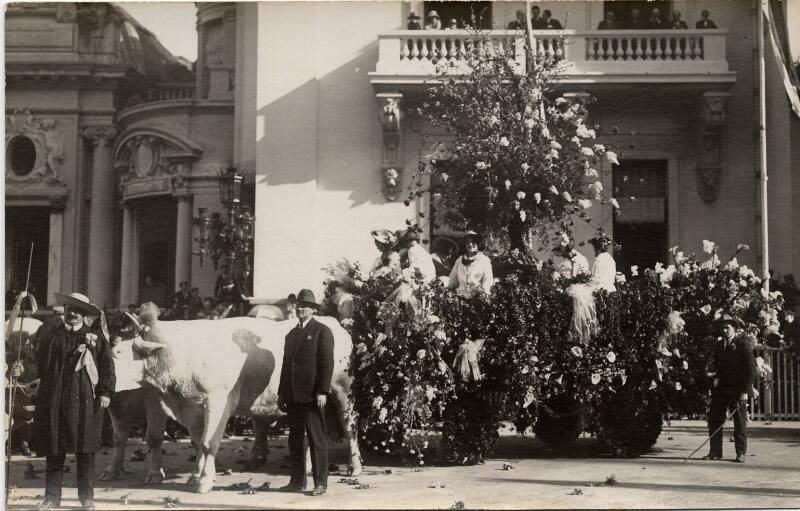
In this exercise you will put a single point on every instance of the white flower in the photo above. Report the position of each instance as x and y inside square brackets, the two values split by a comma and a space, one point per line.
[619, 278]
[566, 196]
[676, 352]
[634, 270]
[391, 174]
[599, 148]
[377, 402]
[575, 140]
[440, 335]
[611, 356]
[554, 145]
[361, 348]
[554, 154]
[746, 272]
[494, 120]
[584, 132]
[596, 188]
[653, 385]
[577, 351]
[433, 318]
[705, 309]
[520, 195]
[742, 246]
[666, 276]
[546, 133]
[614, 203]
[560, 101]
[508, 184]
[659, 267]
[522, 216]
[421, 354]
[347, 322]
[525, 167]
[560, 377]
[590, 172]
[611, 156]
[529, 123]
[675, 323]
[677, 385]
[382, 414]
[585, 203]
[504, 142]
[587, 151]
[481, 165]
[537, 197]
[685, 364]
[553, 190]
[444, 177]
[709, 247]
[595, 379]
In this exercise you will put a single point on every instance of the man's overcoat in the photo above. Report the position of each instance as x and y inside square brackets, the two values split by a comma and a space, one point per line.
[307, 363]
[67, 417]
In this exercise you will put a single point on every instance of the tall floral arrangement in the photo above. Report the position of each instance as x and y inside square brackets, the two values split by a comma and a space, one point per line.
[523, 162]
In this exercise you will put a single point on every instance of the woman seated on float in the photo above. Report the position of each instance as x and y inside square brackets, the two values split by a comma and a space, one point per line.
[584, 317]
[472, 272]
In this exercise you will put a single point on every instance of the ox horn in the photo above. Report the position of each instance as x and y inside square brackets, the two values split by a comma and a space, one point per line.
[147, 347]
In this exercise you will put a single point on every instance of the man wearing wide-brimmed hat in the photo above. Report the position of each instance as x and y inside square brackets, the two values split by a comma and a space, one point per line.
[733, 377]
[77, 379]
[305, 382]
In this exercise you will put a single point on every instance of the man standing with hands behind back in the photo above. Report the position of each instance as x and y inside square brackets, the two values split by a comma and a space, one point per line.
[735, 372]
[303, 392]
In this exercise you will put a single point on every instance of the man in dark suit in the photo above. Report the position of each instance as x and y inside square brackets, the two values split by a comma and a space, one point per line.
[303, 392]
[704, 22]
[549, 22]
[734, 375]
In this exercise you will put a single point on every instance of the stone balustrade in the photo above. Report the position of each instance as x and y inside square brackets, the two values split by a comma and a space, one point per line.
[641, 55]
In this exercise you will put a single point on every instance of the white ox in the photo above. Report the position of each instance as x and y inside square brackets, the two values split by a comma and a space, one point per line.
[204, 371]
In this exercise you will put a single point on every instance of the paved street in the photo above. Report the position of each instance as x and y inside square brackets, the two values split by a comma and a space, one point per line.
[540, 477]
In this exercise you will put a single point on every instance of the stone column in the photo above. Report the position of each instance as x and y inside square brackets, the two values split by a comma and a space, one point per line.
[127, 285]
[183, 240]
[54, 255]
[101, 223]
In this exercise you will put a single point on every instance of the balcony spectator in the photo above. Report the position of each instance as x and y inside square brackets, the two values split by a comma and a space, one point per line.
[519, 22]
[677, 22]
[550, 23]
[452, 24]
[656, 20]
[704, 21]
[774, 284]
[636, 22]
[195, 302]
[790, 291]
[537, 23]
[434, 22]
[444, 249]
[609, 23]
[182, 295]
[413, 22]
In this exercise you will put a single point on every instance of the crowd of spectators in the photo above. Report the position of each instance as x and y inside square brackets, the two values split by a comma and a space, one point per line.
[544, 20]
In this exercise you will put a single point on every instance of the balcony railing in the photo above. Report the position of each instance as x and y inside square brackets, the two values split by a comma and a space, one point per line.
[170, 91]
[621, 55]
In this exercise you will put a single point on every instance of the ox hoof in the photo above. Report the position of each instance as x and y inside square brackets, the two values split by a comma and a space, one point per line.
[110, 475]
[354, 470]
[193, 480]
[155, 477]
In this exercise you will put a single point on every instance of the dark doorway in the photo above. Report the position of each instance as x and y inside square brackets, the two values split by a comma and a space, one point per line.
[640, 226]
[157, 219]
[463, 13]
[23, 227]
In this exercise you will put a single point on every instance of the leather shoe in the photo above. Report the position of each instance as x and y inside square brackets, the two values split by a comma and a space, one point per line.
[48, 504]
[319, 490]
[292, 488]
[712, 457]
[739, 458]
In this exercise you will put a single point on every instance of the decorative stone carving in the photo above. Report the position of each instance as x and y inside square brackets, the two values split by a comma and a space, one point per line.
[48, 143]
[100, 134]
[713, 110]
[709, 165]
[392, 143]
[148, 157]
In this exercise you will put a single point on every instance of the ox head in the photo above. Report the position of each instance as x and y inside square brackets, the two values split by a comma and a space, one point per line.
[129, 349]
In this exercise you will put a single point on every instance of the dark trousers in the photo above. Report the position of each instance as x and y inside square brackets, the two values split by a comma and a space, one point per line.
[54, 474]
[308, 418]
[721, 403]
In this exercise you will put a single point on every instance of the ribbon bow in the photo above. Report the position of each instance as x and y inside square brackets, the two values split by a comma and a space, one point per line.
[86, 360]
[467, 357]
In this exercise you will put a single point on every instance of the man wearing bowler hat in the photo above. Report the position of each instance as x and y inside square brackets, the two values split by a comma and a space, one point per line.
[733, 376]
[77, 379]
[304, 386]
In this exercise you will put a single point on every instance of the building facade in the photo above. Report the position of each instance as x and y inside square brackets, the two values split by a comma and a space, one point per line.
[314, 100]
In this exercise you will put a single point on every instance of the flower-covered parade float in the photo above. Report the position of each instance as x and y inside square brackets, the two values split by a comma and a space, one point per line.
[551, 350]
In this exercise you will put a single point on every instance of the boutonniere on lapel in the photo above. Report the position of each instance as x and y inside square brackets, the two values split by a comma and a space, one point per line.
[89, 341]
[308, 338]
